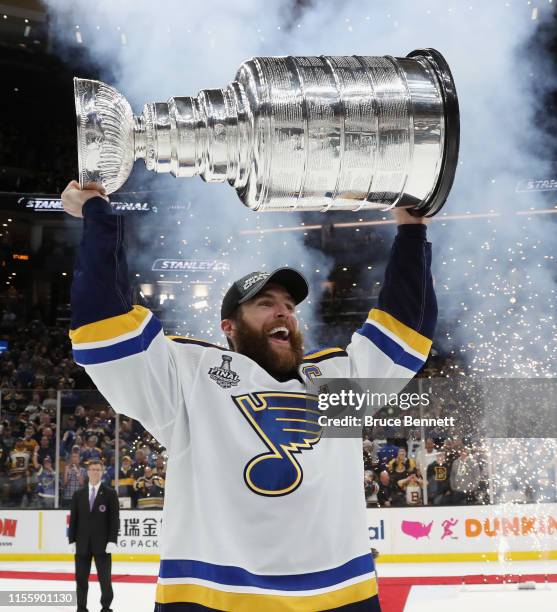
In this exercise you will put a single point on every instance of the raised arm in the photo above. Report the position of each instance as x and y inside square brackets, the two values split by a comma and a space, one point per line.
[395, 340]
[121, 346]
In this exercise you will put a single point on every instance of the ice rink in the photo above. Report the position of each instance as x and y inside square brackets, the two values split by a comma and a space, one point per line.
[419, 587]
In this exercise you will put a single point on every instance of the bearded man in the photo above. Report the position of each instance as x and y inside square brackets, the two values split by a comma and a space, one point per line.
[261, 512]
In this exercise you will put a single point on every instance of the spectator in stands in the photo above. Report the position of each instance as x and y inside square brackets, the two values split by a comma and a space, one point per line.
[371, 488]
[67, 443]
[126, 430]
[450, 447]
[46, 483]
[24, 375]
[438, 481]
[126, 480]
[149, 490]
[44, 449]
[48, 432]
[106, 422]
[370, 455]
[387, 452]
[21, 423]
[425, 456]
[385, 492]
[108, 447]
[149, 445]
[7, 441]
[29, 441]
[465, 478]
[34, 406]
[399, 469]
[18, 472]
[51, 401]
[74, 479]
[412, 487]
[80, 419]
[45, 422]
[71, 424]
[91, 451]
[138, 469]
[160, 466]
[95, 429]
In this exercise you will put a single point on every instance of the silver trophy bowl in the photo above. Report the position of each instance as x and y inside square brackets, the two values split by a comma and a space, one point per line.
[291, 133]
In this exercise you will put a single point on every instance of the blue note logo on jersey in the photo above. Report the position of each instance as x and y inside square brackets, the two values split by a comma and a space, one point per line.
[287, 424]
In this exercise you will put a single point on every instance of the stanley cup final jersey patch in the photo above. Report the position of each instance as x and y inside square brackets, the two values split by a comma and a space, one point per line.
[223, 375]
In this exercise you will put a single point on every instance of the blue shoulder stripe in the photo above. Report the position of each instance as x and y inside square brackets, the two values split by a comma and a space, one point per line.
[121, 349]
[388, 346]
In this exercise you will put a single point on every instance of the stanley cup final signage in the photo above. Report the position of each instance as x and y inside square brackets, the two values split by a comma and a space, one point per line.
[189, 265]
[46, 204]
[375, 133]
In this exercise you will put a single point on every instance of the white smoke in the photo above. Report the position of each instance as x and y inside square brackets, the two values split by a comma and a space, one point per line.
[494, 276]
[154, 50]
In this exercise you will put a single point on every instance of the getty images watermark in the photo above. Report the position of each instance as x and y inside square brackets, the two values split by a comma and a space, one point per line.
[459, 406]
[367, 403]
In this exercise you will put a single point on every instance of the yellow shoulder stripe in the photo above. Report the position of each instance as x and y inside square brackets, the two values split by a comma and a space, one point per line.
[323, 352]
[412, 338]
[110, 328]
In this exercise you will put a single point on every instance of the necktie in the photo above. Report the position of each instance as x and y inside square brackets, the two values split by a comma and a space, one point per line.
[92, 498]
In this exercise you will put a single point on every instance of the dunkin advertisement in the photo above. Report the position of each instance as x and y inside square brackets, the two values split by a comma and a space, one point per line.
[474, 529]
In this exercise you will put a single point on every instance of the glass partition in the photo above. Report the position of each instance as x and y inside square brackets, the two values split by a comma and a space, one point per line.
[47, 438]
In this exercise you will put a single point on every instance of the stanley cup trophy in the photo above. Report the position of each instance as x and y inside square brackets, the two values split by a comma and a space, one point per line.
[291, 133]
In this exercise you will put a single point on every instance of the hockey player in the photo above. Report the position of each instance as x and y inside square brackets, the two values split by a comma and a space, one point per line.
[261, 513]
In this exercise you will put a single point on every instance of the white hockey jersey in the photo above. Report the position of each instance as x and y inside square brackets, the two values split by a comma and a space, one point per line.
[261, 513]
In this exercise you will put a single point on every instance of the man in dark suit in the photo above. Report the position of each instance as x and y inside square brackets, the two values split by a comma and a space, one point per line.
[93, 532]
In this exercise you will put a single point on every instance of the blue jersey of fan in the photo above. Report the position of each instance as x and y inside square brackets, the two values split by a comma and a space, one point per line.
[261, 512]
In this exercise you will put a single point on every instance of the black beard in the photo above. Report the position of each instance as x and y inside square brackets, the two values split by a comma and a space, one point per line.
[256, 345]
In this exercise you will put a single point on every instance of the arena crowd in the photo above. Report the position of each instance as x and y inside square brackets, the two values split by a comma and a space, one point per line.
[37, 371]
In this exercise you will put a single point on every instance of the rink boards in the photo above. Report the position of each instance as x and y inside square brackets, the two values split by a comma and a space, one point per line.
[402, 535]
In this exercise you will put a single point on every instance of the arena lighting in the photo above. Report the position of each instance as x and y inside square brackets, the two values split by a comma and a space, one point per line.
[442, 218]
[201, 304]
[548, 211]
[200, 290]
[146, 289]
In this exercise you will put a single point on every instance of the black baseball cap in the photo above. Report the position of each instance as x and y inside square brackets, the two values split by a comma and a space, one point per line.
[251, 284]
